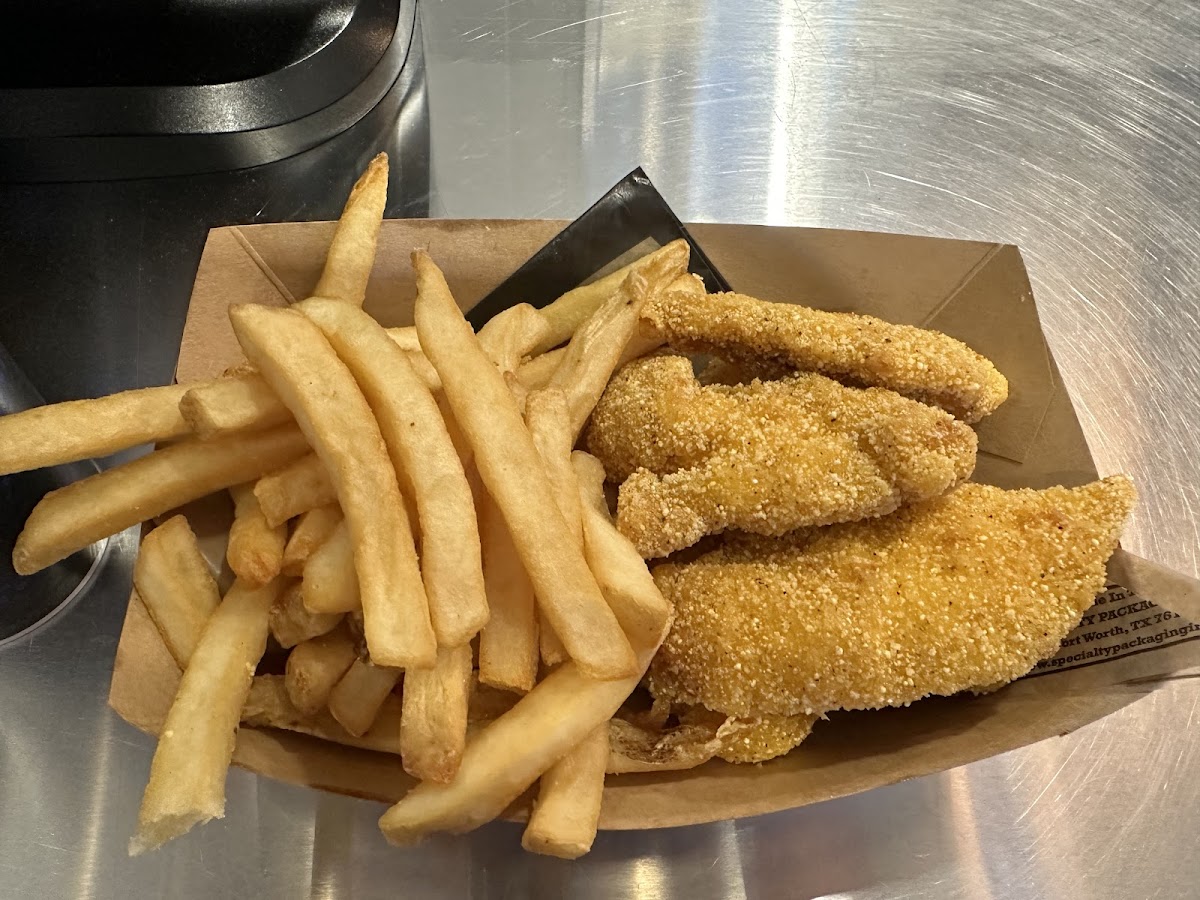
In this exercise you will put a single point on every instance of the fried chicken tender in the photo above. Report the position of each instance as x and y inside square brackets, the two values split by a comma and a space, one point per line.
[967, 591]
[859, 350]
[700, 736]
[766, 457]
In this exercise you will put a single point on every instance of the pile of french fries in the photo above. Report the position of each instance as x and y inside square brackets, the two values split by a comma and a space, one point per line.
[411, 523]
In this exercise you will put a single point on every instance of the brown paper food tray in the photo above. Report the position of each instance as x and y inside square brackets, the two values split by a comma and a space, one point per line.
[974, 291]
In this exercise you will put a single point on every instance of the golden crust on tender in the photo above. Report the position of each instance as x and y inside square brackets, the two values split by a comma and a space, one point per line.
[966, 591]
[766, 457]
[925, 365]
[759, 738]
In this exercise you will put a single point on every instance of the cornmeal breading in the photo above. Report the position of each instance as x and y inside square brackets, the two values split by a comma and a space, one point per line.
[965, 591]
[861, 350]
[766, 457]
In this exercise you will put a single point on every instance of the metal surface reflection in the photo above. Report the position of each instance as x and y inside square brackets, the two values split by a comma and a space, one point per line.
[1068, 128]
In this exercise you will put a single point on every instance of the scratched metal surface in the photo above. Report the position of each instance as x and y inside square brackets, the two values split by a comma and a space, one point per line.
[1069, 128]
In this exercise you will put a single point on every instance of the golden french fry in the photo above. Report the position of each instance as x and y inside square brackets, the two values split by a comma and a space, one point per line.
[548, 417]
[312, 529]
[356, 699]
[505, 758]
[290, 491]
[330, 583]
[461, 445]
[255, 551]
[304, 370]
[433, 730]
[316, 665]
[421, 448]
[176, 585]
[352, 251]
[406, 338]
[546, 414]
[292, 624]
[567, 810]
[241, 402]
[537, 372]
[551, 647]
[79, 514]
[506, 458]
[80, 429]
[510, 335]
[424, 370]
[269, 706]
[596, 347]
[574, 307]
[623, 578]
[508, 643]
[187, 777]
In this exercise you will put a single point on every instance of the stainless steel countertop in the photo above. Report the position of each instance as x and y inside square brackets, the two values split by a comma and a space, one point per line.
[1069, 128]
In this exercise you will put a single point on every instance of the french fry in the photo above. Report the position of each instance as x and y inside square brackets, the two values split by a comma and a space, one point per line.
[330, 583]
[508, 755]
[241, 402]
[567, 810]
[549, 644]
[176, 585]
[255, 551]
[628, 587]
[508, 643]
[81, 429]
[352, 252]
[537, 372]
[304, 370]
[79, 514]
[433, 729]
[292, 624]
[488, 415]
[421, 448]
[355, 700]
[546, 414]
[312, 529]
[293, 490]
[573, 308]
[596, 347]
[461, 445]
[511, 335]
[405, 337]
[269, 706]
[425, 370]
[187, 776]
[315, 666]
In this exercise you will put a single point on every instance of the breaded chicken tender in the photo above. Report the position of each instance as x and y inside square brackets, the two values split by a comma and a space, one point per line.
[767, 457]
[967, 591]
[700, 736]
[859, 350]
